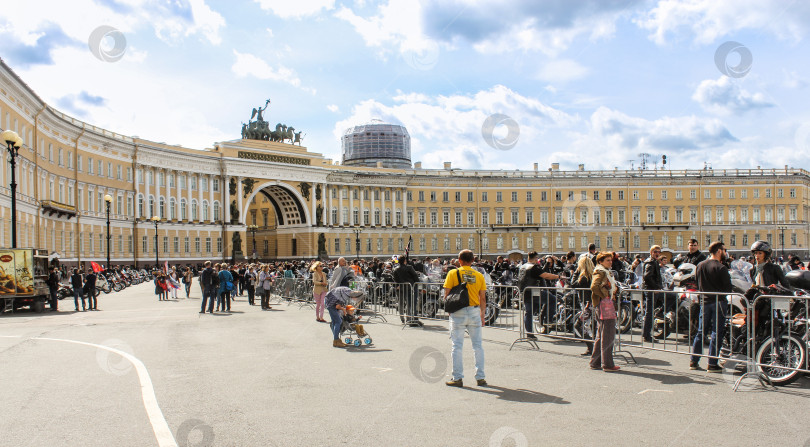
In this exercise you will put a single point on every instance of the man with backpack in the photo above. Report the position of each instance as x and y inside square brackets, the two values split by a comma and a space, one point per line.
[469, 318]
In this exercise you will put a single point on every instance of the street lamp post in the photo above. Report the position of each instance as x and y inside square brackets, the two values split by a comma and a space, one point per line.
[108, 199]
[13, 143]
[627, 243]
[480, 232]
[782, 229]
[357, 232]
[156, 220]
[252, 229]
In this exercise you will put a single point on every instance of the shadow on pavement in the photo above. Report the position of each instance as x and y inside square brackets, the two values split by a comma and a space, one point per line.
[360, 349]
[674, 378]
[519, 395]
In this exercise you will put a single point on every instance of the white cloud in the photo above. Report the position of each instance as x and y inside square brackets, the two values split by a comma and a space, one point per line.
[250, 65]
[707, 20]
[297, 9]
[562, 70]
[333, 108]
[397, 24]
[725, 96]
[663, 134]
[449, 128]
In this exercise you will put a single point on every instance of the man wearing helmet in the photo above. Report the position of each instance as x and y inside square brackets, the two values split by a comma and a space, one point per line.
[766, 272]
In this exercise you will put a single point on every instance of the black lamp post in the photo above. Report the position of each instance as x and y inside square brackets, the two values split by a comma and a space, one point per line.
[357, 232]
[480, 232]
[156, 220]
[252, 229]
[108, 199]
[627, 243]
[782, 229]
[13, 142]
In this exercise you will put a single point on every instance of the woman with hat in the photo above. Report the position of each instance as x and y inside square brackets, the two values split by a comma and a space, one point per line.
[319, 289]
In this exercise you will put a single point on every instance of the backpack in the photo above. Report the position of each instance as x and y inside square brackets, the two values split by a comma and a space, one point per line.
[524, 279]
[458, 298]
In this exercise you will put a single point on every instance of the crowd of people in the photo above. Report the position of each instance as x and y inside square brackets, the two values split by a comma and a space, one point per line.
[595, 272]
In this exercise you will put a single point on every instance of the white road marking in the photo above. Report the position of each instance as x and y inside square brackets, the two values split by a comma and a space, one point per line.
[657, 391]
[163, 434]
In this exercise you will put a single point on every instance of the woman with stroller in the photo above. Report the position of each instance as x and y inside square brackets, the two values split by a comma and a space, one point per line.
[336, 304]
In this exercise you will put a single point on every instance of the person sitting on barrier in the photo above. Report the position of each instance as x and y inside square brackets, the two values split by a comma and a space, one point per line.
[603, 295]
[712, 277]
[584, 278]
[342, 275]
[651, 281]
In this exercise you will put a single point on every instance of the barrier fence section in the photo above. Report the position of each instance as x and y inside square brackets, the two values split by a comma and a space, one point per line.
[767, 339]
[778, 337]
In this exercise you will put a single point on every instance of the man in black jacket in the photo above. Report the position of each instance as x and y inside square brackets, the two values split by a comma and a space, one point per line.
[405, 273]
[694, 257]
[651, 278]
[90, 289]
[208, 280]
[53, 287]
[713, 278]
[77, 283]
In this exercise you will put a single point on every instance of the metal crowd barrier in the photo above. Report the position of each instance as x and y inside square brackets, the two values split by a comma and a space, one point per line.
[778, 338]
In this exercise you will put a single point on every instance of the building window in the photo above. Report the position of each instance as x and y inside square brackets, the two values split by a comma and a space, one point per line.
[197, 247]
[621, 195]
[484, 196]
[514, 196]
[470, 197]
[499, 196]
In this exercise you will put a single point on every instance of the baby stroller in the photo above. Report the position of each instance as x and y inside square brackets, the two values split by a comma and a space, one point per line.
[351, 326]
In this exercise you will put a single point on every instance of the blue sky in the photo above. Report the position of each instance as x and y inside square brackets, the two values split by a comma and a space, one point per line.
[593, 82]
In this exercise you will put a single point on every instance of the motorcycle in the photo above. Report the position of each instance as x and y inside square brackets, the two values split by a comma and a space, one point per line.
[64, 291]
[779, 344]
[685, 318]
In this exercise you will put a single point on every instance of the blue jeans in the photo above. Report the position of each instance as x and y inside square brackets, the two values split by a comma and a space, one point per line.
[468, 319]
[649, 308]
[337, 322]
[77, 295]
[713, 318]
[532, 306]
[208, 295]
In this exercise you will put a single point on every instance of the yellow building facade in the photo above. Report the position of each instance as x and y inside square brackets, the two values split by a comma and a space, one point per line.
[272, 200]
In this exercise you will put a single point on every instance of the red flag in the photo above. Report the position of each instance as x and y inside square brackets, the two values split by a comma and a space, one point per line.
[96, 268]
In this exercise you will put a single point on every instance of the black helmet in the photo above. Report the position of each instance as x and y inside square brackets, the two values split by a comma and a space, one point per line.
[761, 246]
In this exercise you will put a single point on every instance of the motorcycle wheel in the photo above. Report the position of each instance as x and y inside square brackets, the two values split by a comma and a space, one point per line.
[582, 328]
[788, 351]
[491, 313]
[429, 309]
[625, 318]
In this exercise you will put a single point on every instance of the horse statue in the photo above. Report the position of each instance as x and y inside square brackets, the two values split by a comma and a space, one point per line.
[289, 134]
[298, 138]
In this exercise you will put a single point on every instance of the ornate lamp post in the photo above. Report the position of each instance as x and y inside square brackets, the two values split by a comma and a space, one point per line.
[13, 143]
[252, 229]
[108, 200]
[156, 220]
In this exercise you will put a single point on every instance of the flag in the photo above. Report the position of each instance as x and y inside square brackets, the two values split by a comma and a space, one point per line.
[166, 267]
[96, 268]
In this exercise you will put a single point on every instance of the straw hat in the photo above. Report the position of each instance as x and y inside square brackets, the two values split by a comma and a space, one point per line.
[315, 266]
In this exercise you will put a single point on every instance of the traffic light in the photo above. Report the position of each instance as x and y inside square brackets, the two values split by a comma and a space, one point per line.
[663, 159]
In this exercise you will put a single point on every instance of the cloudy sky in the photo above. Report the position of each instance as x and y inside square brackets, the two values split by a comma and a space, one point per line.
[482, 83]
